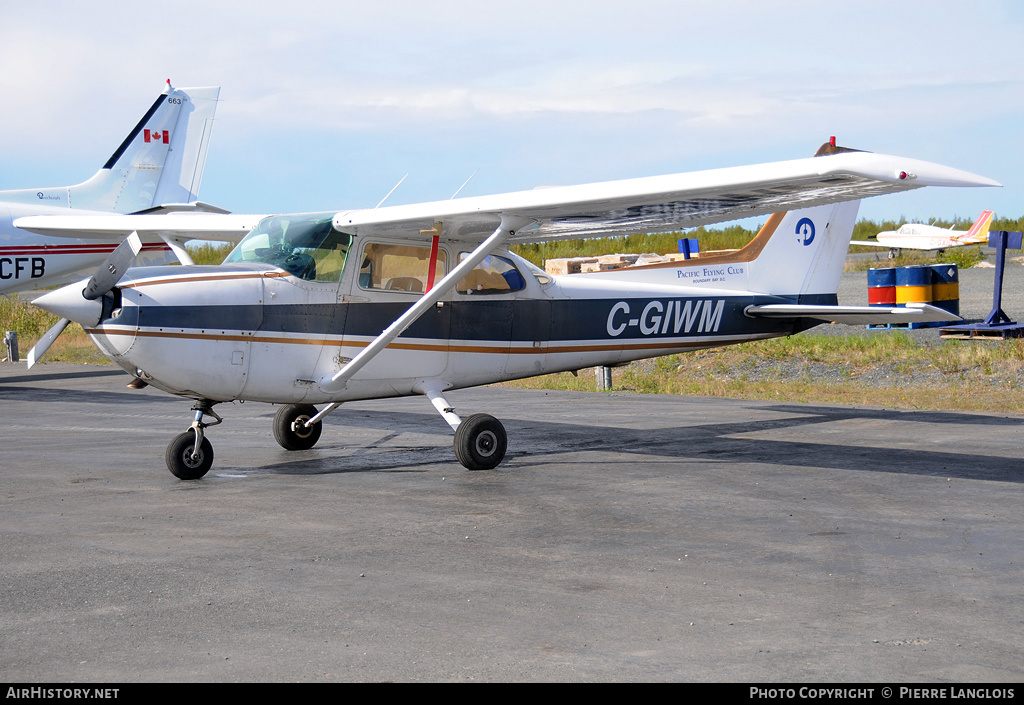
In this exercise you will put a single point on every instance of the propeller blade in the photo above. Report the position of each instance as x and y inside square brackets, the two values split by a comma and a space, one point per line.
[40, 348]
[113, 268]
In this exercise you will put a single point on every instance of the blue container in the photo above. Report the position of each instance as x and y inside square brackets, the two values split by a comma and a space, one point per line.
[946, 287]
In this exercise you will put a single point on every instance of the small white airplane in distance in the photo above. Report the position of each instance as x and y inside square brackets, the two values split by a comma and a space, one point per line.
[158, 168]
[918, 236]
[425, 298]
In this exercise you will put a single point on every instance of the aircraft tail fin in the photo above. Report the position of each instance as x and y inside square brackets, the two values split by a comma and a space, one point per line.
[805, 251]
[160, 161]
[979, 230]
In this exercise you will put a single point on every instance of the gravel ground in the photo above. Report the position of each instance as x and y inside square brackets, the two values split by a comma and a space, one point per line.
[976, 291]
[976, 295]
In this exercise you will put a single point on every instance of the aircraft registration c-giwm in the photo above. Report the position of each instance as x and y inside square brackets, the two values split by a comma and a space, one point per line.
[347, 305]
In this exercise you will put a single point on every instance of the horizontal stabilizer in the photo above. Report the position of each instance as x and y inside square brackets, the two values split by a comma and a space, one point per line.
[193, 207]
[184, 226]
[855, 315]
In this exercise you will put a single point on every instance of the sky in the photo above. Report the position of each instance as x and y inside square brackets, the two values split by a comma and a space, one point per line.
[327, 105]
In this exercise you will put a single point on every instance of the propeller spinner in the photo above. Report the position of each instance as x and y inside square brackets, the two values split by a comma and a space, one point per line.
[82, 305]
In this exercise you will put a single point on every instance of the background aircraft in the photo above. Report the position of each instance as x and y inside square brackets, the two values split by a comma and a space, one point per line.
[423, 298]
[158, 168]
[918, 236]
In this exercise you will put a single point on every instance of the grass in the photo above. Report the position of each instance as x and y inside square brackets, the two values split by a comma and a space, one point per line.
[883, 368]
[888, 369]
[31, 323]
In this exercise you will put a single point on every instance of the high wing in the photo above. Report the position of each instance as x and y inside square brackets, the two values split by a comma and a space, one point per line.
[644, 205]
[664, 203]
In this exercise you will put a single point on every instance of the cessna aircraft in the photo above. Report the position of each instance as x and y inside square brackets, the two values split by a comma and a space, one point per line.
[917, 236]
[157, 168]
[425, 298]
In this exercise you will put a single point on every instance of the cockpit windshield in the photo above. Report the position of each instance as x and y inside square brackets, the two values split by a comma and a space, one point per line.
[306, 246]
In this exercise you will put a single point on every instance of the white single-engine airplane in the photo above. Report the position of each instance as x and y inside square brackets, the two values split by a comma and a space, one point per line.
[157, 168]
[421, 299]
[918, 236]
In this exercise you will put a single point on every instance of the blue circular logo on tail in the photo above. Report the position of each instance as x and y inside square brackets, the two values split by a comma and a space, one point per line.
[805, 231]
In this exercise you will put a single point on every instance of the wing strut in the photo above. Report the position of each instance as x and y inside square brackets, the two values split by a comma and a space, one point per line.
[178, 248]
[508, 227]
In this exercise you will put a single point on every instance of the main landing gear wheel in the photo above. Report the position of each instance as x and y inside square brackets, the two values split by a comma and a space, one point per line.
[182, 460]
[289, 431]
[480, 442]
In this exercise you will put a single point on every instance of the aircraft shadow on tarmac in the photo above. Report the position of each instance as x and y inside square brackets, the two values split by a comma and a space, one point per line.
[532, 443]
[69, 395]
[50, 376]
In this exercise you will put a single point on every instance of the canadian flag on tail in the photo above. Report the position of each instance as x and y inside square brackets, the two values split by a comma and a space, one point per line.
[157, 136]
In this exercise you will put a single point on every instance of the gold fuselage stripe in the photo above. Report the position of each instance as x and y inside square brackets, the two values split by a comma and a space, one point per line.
[417, 347]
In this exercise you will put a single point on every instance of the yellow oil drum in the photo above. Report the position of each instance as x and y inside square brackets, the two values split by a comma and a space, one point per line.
[913, 285]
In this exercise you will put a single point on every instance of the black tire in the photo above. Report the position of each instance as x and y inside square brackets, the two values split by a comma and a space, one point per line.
[480, 442]
[179, 457]
[294, 437]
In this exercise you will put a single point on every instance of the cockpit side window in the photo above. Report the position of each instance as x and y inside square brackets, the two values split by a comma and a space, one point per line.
[305, 246]
[495, 275]
[399, 267]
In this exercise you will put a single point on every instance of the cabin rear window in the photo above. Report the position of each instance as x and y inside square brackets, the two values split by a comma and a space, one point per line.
[399, 267]
[495, 275]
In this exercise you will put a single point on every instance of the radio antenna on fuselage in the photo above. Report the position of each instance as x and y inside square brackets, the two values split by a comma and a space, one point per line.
[392, 190]
[464, 184]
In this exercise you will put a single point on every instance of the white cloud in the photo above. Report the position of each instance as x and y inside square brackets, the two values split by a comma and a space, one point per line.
[612, 90]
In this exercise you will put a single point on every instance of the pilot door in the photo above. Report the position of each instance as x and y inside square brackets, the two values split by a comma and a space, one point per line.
[302, 314]
[390, 279]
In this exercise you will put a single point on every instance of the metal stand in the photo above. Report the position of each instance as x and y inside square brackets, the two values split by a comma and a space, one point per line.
[997, 324]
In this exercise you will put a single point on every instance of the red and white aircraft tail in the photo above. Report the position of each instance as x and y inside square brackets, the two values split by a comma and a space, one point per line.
[978, 234]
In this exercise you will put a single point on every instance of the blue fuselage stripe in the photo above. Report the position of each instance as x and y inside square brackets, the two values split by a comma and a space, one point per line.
[493, 320]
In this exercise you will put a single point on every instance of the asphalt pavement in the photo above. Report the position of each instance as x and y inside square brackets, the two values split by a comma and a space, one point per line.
[625, 538]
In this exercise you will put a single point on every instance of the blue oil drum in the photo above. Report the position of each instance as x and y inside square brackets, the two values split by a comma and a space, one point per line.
[946, 287]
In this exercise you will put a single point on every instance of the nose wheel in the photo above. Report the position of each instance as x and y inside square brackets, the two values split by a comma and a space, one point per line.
[190, 455]
[186, 462]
